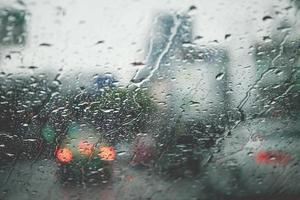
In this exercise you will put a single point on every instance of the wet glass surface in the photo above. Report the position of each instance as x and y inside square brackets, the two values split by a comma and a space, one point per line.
[140, 99]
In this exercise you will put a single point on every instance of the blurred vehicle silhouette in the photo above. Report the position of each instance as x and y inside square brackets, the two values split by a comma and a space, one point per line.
[260, 157]
[84, 155]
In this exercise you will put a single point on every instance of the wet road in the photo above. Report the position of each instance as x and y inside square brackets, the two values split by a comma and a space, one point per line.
[28, 181]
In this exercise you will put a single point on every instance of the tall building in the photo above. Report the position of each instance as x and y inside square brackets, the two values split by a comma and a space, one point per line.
[186, 80]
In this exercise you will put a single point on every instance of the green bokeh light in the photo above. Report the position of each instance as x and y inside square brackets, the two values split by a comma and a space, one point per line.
[48, 133]
[73, 130]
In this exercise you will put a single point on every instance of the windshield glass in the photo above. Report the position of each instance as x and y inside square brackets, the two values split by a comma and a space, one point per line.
[139, 99]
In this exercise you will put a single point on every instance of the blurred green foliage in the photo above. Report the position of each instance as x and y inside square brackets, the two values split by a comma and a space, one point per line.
[48, 133]
[12, 26]
[117, 114]
[122, 112]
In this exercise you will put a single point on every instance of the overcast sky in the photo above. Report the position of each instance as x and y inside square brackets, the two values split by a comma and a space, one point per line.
[73, 27]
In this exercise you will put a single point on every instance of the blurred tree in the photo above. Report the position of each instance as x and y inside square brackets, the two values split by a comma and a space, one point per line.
[12, 26]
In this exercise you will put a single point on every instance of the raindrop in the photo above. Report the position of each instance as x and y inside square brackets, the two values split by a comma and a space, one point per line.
[199, 37]
[21, 3]
[107, 110]
[45, 45]
[29, 140]
[10, 154]
[288, 8]
[227, 36]
[194, 102]
[267, 17]
[32, 67]
[266, 38]
[193, 7]
[137, 63]
[220, 76]
[250, 154]
[187, 44]
[283, 28]
[122, 153]
[99, 42]
[279, 72]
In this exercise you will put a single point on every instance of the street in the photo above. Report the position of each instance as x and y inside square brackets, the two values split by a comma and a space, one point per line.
[38, 180]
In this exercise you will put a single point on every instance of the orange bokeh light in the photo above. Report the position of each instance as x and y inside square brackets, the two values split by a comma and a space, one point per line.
[107, 153]
[86, 148]
[64, 155]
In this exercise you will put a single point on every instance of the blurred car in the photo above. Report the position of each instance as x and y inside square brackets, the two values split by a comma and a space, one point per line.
[83, 155]
[259, 157]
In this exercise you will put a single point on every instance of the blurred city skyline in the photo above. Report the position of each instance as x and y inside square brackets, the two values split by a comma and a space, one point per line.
[72, 41]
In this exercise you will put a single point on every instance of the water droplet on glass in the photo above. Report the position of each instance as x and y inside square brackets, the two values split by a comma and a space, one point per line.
[227, 36]
[45, 45]
[220, 76]
[266, 38]
[267, 17]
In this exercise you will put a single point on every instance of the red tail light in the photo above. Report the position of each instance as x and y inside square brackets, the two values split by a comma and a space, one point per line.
[85, 148]
[272, 158]
[107, 153]
[64, 155]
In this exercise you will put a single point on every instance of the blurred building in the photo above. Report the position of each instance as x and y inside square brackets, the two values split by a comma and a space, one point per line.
[187, 80]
